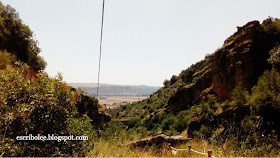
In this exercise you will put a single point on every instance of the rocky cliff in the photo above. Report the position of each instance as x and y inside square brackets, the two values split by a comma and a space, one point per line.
[241, 60]
[218, 93]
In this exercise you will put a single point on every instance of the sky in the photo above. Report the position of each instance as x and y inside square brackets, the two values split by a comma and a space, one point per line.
[144, 41]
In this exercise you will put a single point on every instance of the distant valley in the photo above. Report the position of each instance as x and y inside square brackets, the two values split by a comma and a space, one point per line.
[116, 90]
[112, 96]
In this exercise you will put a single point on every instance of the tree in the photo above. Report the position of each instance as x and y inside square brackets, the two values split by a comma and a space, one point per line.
[267, 91]
[266, 99]
[165, 83]
[274, 59]
[239, 95]
[272, 26]
[173, 79]
[17, 38]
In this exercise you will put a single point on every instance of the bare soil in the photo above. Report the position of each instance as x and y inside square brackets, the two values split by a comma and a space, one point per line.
[116, 101]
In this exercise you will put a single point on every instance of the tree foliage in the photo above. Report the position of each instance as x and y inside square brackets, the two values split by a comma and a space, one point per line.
[33, 103]
[274, 59]
[272, 26]
[267, 91]
[17, 38]
[6, 59]
[239, 95]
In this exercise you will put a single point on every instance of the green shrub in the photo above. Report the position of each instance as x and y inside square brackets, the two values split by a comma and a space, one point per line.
[151, 109]
[150, 125]
[266, 94]
[36, 104]
[173, 79]
[239, 95]
[168, 122]
[208, 117]
[6, 59]
[124, 107]
[274, 58]
[182, 120]
[134, 123]
[206, 131]
[266, 98]
[112, 131]
[166, 83]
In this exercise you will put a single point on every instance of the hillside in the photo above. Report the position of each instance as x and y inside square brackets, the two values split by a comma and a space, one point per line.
[32, 103]
[231, 95]
[115, 90]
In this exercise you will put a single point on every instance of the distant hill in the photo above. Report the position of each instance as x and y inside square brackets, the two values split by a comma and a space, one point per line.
[116, 90]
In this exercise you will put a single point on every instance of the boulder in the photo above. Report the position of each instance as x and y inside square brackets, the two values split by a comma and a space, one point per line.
[159, 141]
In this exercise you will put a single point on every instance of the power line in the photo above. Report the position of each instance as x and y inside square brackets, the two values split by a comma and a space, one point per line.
[101, 35]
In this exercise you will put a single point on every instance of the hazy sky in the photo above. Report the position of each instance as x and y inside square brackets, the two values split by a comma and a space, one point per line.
[144, 42]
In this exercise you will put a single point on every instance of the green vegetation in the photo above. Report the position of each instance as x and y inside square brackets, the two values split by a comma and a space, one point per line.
[247, 120]
[272, 26]
[212, 101]
[266, 100]
[153, 112]
[274, 58]
[33, 104]
[6, 59]
[239, 95]
[17, 38]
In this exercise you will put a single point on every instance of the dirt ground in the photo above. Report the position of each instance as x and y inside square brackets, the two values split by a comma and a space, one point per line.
[115, 101]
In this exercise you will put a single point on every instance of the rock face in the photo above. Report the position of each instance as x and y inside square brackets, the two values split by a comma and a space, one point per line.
[159, 141]
[242, 59]
[189, 94]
